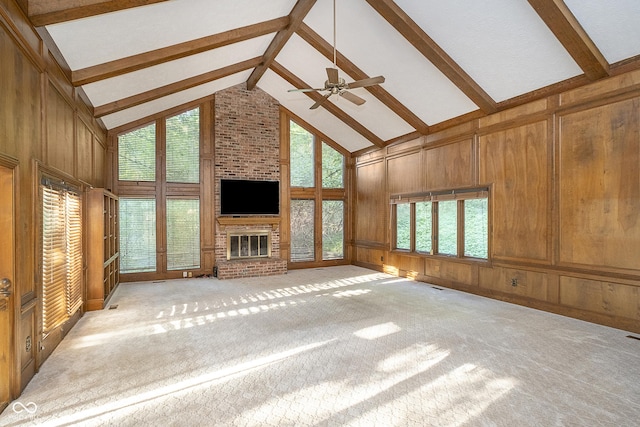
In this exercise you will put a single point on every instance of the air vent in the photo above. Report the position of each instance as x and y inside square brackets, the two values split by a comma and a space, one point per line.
[113, 306]
[633, 337]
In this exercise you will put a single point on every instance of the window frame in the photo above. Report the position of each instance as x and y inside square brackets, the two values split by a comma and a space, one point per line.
[436, 197]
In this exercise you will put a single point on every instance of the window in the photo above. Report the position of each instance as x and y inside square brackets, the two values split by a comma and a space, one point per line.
[332, 229]
[137, 155]
[302, 158]
[61, 253]
[183, 234]
[183, 147]
[452, 223]
[137, 235]
[317, 197]
[423, 226]
[403, 226]
[160, 212]
[302, 230]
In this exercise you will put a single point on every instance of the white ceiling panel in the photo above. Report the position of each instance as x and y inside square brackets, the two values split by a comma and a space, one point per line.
[614, 25]
[135, 113]
[105, 91]
[502, 44]
[320, 118]
[98, 39]
[374, 46]
[309, 65]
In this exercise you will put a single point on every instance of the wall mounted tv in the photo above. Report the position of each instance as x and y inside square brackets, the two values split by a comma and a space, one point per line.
[240, 197]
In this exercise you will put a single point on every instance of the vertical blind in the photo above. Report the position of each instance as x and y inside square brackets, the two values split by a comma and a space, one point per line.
[61, 255]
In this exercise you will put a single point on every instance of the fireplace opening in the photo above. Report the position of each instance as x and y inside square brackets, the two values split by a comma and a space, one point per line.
[248, 244]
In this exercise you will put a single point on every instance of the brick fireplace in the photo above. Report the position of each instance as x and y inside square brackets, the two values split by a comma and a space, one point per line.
[247, 146]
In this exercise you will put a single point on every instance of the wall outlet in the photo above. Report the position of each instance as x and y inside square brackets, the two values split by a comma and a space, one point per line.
[184, 274]
[190, 274]
[514, 282]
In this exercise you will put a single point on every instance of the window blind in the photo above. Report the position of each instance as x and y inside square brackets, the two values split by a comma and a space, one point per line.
[183, 147]
[61, 255]
[183, 234]
[137, 155]
[137, 235]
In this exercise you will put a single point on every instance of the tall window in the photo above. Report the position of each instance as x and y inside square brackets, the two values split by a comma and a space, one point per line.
[160, 187]
[451, 223]
[61, 253]
[317, 197]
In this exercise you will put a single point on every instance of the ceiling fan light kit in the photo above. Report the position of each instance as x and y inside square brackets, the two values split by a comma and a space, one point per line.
[335, 85]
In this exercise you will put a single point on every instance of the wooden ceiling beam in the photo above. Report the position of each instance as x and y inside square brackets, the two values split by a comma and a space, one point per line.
[47, 12]
[171, 53]
[299, 11]
[564, 25]
[150, 95]
[329, 106]
[322, 46]
[411, 31]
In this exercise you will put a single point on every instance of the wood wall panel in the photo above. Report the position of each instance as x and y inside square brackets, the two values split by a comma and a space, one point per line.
[600, 186]
[602, 297]
[516, 162]
[449, 166]
[84, 154]
[370, 256]
[528, 283]
[404, 174]
[60, 133]
[451, 271]
[372, 205]
[99, 165]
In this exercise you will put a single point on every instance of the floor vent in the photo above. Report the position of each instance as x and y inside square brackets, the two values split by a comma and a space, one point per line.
[633, 337]
[439, 289]
[158, 281]
[113, 306]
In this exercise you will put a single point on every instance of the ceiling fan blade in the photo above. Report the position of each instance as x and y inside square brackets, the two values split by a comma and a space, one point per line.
[366, 82]
[308, 89]
[332, 73]
[351, 97]
[320, 102]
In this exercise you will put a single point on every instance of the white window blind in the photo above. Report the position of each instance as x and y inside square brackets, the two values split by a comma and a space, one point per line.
[137, 155]
[137, 235]
[183, 147]
[183, 234]
[61, 255]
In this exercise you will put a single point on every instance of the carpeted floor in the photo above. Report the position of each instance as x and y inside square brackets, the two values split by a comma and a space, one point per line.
[333, 346]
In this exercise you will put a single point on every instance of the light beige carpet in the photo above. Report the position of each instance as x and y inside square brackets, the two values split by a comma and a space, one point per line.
[333, 346]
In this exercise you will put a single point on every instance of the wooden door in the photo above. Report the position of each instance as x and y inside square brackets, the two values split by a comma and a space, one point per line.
[6, 283]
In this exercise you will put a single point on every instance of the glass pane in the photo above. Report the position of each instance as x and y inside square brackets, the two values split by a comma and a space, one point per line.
[403, 226]
[137, 235]
[264, 249]
[332, 229]
[254, 246]
[137, 155]
[423, 227]
[332, 167]
[301, 154]
[476, 235]
[448, 227]
[235, 245]
[183, 147]
[183, 234]
[302, 231]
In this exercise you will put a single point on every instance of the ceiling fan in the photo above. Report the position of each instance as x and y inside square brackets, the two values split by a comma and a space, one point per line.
[335, 85]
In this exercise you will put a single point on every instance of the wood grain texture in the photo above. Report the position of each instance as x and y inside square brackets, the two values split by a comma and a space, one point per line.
[46, 12]
[404, 174]
[60, 132]
[516, 162]
[371, 203]
[449, 166]
[604, 297]
[529, 284]
[600, 186]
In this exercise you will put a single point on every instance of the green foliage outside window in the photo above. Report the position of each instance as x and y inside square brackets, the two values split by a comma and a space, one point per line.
[301, 156]
[183, 147]
[423, 227]
[137, 155]
[403, 226]
[332, 167]
[332, 229]
[476, 220]
[448, 227]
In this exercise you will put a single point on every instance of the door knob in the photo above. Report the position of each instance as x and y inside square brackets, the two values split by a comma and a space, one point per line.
[5, 287]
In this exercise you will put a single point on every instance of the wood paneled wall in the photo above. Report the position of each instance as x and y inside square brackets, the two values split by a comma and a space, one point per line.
[564, 180]
[43, 125]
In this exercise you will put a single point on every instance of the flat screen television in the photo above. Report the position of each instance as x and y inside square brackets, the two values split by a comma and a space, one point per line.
[240, 197]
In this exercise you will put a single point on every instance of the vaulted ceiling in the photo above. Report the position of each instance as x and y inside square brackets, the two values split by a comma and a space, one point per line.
[443, 60]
